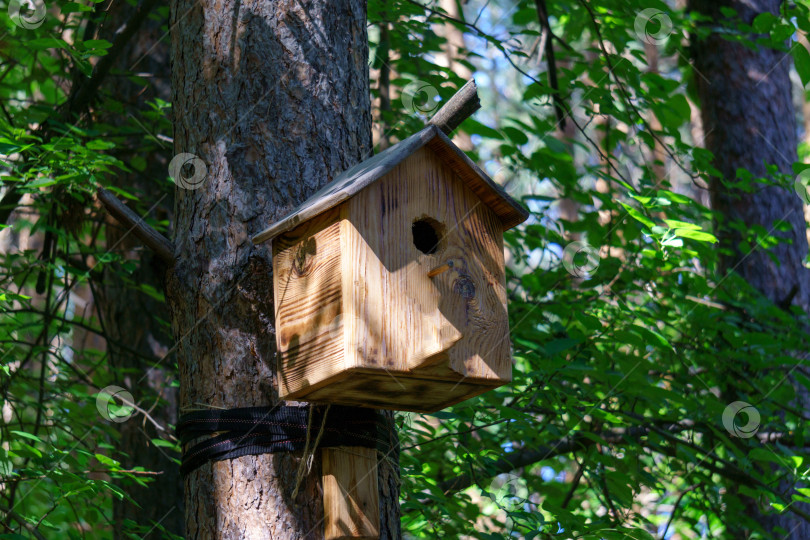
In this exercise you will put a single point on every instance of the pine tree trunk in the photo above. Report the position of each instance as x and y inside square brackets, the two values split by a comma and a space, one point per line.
[137, 339]
[748, 120]
[274, 98]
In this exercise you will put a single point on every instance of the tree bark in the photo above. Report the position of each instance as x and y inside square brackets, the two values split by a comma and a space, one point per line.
[274, 98]
[749, 121]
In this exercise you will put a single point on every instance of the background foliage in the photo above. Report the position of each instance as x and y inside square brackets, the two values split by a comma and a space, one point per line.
[629, 346]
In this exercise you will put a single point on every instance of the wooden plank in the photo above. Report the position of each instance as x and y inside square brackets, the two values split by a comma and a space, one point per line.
[308, 303]
[385, 328]
[354, 180]
[379, 389]
[350, 496]
[510, 212]
[397, 317]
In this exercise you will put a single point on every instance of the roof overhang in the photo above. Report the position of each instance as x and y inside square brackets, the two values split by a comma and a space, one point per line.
[350, 182]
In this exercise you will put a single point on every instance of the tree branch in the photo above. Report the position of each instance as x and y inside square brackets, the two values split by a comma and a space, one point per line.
[86, 91]
[22, 521]
[574, 485]
[82, 94]
[529, 456]
[149, 236]
[675, 510]
[457, 109]
[542, 16]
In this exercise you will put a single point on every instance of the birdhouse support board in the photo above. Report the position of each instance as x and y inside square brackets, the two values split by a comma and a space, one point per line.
[350, 493]
[392, 294]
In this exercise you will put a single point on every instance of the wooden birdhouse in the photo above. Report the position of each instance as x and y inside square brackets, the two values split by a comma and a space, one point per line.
[389, 282]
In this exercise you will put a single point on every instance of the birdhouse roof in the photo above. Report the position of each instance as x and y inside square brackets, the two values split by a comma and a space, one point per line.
[362, 175]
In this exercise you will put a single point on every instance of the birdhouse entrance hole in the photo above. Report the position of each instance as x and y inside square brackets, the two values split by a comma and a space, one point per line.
[427, 234]
[390, 291]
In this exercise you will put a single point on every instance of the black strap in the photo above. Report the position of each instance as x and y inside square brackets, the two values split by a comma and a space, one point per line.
[263, 430]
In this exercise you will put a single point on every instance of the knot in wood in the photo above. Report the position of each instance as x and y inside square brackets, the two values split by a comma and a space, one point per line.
[304, 256]
[464, 287]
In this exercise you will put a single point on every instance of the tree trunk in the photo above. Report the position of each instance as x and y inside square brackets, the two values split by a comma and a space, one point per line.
[748, 119]
[274, 98]
[132, 319]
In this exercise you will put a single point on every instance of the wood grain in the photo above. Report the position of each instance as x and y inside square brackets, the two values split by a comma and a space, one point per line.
[360, 321]
[458, 108]
[350, 503]
[397, 317]
[356, 179]
[309, 303]
[379, 389]
[510, 212]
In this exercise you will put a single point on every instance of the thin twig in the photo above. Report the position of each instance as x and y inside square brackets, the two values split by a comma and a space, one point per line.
[88, 471]
[675, 509]
[574, 485]
[23, 522]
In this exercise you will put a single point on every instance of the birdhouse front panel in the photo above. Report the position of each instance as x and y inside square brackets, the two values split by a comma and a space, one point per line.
[418, 218]
[390, 286]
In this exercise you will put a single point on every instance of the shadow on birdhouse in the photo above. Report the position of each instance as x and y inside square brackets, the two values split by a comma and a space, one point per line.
[389, 282]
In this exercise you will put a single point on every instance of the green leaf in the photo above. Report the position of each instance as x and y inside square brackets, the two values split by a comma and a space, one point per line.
[163, 442]
[105, 460]
[559, 345]
[27, 449]
[674, 197]
[763, 22]
[75, 7]
[764, 454]
[46, 43]
[477, 128]
[801, 59]
[26, 435]
[515, 135]
[41, 182]
[654, 337]
[97, 44]
[680, 104]
[695, 235]
[638, 216]
[675, 224]
[99, 144]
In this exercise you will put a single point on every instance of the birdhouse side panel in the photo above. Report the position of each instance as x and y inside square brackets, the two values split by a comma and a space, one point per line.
[309, 304]
[417, 218]
[475, 295]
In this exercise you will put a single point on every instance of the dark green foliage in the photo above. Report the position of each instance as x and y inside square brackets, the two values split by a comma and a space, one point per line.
[628, 347]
